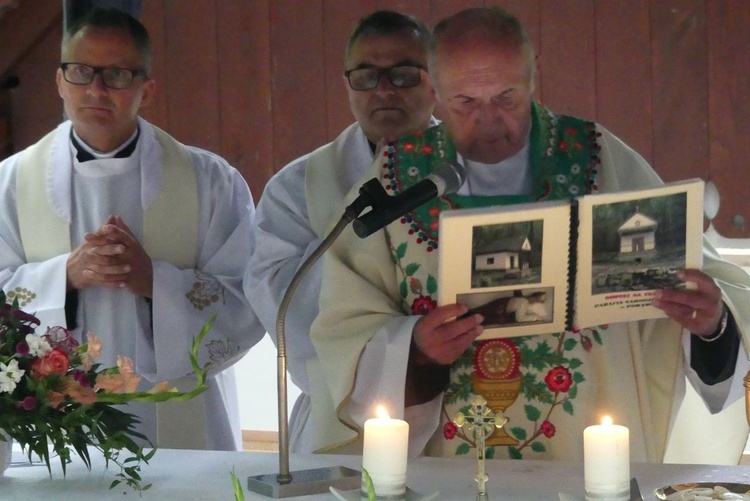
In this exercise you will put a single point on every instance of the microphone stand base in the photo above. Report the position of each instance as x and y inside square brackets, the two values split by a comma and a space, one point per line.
[306, 482]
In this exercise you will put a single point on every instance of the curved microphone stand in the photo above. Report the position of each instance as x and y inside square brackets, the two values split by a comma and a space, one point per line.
[318, 480]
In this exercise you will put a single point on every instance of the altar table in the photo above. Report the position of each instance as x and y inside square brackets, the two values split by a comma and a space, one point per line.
[184, 475]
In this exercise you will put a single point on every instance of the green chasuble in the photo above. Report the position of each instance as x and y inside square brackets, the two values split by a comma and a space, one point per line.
[534, 380]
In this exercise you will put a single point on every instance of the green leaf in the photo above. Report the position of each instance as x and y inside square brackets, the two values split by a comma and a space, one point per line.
[573, 392]
[402, 289]
[431, 285]
[489, 452]
[578, 377]
[411, 269]
[462, 449]
[538, 447]
[518, 432]
[570, 344]
[574, 363]
[597, 337]
[239, 494]
[532, 413]
[514, 453]
[401, 251]
[568, 407]
[368, 485]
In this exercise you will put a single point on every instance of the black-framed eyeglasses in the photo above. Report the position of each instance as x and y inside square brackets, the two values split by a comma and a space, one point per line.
[402, 76]
[114, 78]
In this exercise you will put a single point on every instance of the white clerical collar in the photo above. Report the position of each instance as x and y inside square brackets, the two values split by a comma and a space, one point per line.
[511, 176]
[105, 163]
[103, 154]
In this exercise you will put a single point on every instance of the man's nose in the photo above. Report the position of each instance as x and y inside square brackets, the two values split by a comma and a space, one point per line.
[384, 85]
[97, 85]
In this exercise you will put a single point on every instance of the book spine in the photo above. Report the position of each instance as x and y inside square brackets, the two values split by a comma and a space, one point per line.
[570, 306]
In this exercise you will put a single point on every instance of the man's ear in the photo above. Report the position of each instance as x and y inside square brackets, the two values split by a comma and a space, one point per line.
[149, 89]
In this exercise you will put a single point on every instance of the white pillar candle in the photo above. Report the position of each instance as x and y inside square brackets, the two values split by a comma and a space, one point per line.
[606, 461]
[385, 453]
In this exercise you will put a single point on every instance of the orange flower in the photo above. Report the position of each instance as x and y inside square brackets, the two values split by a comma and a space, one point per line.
[72, 389]
[162, 388]
[52, 362]
[124, 382]
[93, 350]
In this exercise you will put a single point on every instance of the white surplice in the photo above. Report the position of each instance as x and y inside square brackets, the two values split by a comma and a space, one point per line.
[363, 338]
[285, 235]
[158, 336]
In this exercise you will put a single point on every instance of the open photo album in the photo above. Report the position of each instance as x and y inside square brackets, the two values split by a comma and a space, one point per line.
[546, 267]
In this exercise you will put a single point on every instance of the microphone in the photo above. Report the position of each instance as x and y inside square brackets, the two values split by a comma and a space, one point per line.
[446, 178]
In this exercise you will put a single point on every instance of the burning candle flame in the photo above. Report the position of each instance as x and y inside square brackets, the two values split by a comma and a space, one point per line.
[606, 421]
[382, 413]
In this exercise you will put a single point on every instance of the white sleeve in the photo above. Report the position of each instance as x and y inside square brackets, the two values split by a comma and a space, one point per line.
[284, 240]
[183, 299]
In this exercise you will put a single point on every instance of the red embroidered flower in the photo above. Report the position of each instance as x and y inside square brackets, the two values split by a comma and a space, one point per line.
[558, 379]
[548, 429]
[586, 343]
[450, 430]
[423, 305]
[409, 147]
[434, 211]
[426, 149]
[435, 225]
[571, 131]
[563, 146]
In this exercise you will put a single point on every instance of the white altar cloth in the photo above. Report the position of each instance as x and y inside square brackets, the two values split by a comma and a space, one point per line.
[184, 475]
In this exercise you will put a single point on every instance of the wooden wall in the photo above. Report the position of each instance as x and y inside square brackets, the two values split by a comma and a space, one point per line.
[259, 81]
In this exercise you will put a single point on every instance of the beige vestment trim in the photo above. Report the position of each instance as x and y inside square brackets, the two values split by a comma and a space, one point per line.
[45, 234]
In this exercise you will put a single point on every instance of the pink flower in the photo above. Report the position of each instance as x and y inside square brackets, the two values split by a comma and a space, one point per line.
[73, 390]
[60, 337]
[22, 348]
[52, 362]
[29, 403]
[124, 382]
[93, 351]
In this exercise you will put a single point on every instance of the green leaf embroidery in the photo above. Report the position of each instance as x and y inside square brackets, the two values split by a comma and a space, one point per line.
[573, 392]
[578, 377]
[489, 452]
[411, 269]
[514, 453]
[570, 344]
[568, 407]
[538, 447]
[401, 251]
[532, 413]
[518, 432]
[402, 289]
[462, 449]
[431, 285]
[575, 363]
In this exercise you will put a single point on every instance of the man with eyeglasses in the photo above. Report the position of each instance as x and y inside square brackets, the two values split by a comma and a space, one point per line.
[383, 339]
[390, 95]
[110, 226]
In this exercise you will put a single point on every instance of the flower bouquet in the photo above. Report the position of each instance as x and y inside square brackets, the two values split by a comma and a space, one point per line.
[53, 395]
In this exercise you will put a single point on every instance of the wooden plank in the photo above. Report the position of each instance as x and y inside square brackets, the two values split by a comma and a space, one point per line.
[678, 31]
[22, 27]
[36, 107]
[191, 68]
[567, 57]
[298, 86]
[152, 17]
[623, 72]
[244, 72]
[340, 19]
[729, 111]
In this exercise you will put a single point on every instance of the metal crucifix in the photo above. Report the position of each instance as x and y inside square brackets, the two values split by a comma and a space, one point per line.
[480, 421]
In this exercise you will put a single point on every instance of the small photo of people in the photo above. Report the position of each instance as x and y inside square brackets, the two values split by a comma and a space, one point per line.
[509, 308]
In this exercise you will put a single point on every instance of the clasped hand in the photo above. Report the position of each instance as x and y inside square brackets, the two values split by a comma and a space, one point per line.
[111, 257]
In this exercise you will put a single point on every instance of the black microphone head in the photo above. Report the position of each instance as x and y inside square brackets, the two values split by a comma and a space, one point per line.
[448, 177]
